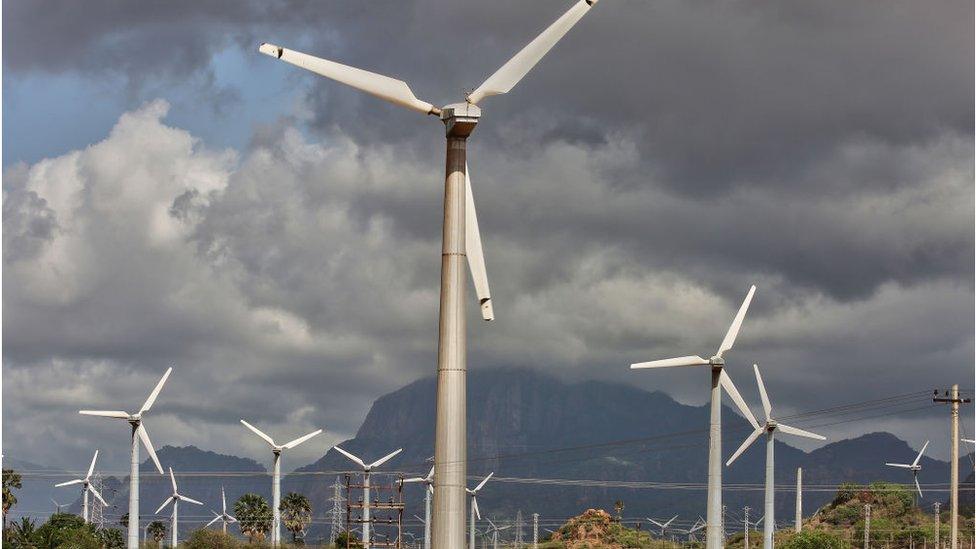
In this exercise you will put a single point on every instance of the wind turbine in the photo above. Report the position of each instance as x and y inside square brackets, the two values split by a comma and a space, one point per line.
[428, 491]
[276, 475]
[138, 433]
[494, 532]
[86, 487]
[714, 534]
[769, 427]
[915, 467]
[663, 526]
[223, 517]
[367, 469]
[461, 238]
[57, 506]
[474, 507]
[175, 498]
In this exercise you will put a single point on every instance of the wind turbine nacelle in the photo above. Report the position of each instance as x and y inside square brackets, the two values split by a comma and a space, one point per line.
[460, 118]
[271, 49]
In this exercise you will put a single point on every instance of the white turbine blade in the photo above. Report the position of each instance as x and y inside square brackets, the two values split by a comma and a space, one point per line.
[474, 251]
[474, 503]
[671, 362]
[413, 479]
[899, 465]
[155, 392]
[390, 89]
[917, 487]
[259, 433]
[188, 500]
[300, 440]
[670, 521]
[70, 482]
[483, 482]
[730, 336]
[231, 519]
[352, 457]
[799, 432]
[218, 517]
[165, 503]
[729, 387]
[971, 441]
[223, 501]
[920, 452]
[430, 474]
[105, 413]
[767, 407]
[745, 444]
[422, 521]
[656, 523]
[144, 436]
[385, 458]
[97, 495]
[91, 468]
[505, 78]
[173, 479]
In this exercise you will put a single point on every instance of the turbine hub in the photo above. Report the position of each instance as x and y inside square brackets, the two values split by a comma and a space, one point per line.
[460, 118]
[717, 361]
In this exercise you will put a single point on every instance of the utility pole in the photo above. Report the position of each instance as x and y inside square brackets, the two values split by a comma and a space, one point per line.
[953, 399]
[722, 526]
[938, 525]
[337, 509]
[535, 530]
[518, 528]
[745, 510]
[799, 499]
[867, 526]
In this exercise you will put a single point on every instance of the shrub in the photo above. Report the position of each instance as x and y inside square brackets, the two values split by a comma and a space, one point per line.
[813, 539]
[211, 539]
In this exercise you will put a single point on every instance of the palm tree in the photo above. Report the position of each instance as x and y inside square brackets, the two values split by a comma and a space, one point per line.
[11, 481]
[22, 533]
[296, 515]
[156, 530]
[253, 515]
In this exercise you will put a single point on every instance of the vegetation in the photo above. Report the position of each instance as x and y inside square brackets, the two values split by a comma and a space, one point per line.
[296, 515]
[156, 530]
[11, 482]
[253, 516]
[347, 539]
[211, 539]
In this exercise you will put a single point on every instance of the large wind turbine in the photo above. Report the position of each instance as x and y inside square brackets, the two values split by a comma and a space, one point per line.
[367, 469]
[914, 467]
[175, 498]
[662, 526]
[223, 517]
[460, 238]
[769, 427]
[85, 488]
[713, 533]
[276, 475]
[474, 507]
[138, 433]
[428, 491]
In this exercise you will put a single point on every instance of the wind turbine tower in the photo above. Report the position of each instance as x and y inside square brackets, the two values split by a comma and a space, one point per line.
[461, 239]
[138, 433]
[714, 535]
[428, 492]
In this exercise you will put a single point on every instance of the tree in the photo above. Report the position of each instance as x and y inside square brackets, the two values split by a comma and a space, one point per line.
[66, 530]
[156, 530]
[210, 539]
[111, 538]
[813, 539]
[11, 481]
[296, 515]
[124, 520]
[618, 508]
[347, 539]
[22, 533]
[253, 516]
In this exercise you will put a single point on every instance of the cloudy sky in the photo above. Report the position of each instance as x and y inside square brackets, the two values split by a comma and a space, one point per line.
[171, 197]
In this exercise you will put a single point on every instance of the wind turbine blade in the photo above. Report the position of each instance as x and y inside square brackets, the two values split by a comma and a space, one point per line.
[413, 479]
[259, 433]
[70, 482]
[165, 503]
[231, 519]
[300, 440]
[386, 88]
[729, 387]
[917, 487]
[505, 78]
[91, 468]
[430, 474]
[188, 500]
[352, 457]
[213, 521]
[223, 501]
[799, 432]
[969, 440]
[733, 332]
[155, 393]
[97, 495]
[670, 521]
[422, 521]
[483, 482]
[144, 436]
[751, 438]
[767, 407]
[899, 465]
[671, 362]
[474, 503]
[105, 413]
[920, 452]
[385, 458]
[656, 523]
[475, 253]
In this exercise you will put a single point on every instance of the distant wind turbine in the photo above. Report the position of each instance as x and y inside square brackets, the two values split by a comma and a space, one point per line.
[138, 433]
[367, 469]
[769, 427]
[494, 532]
[86, 487]
[175, 498]
[914, 467]
[662, 526]
[276, 475]
[714, 535]
[428, 491]
[474, 507]
[223, 517]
